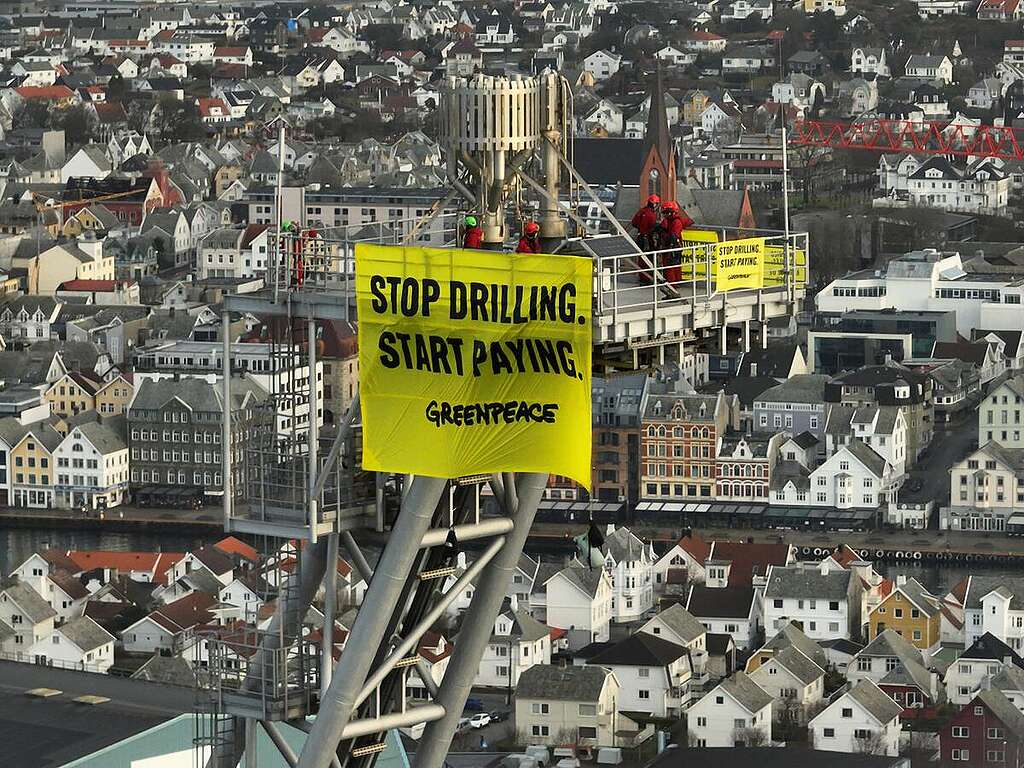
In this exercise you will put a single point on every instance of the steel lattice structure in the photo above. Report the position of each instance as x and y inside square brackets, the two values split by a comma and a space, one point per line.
[916, 137]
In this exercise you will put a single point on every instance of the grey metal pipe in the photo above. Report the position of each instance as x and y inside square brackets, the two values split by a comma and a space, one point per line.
[389, 578]
[358, 559]
[424, 714]
[282, 746]
[409, 642]
[344, 428]
[469, 531]
[330, 609]
[311, 573]
[313, 430]
[478, 626]
[225, 432]
[424, 673]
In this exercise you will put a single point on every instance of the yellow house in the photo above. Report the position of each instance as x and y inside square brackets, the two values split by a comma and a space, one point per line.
[910, 611]
[112, 398]
[31, 470]
[95, 218]
[73, 393]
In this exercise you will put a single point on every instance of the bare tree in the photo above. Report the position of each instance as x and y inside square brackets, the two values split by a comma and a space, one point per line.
[873, 743]
[749, 737]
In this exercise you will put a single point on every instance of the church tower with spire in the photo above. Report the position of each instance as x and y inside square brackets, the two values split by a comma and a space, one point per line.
[658, 174]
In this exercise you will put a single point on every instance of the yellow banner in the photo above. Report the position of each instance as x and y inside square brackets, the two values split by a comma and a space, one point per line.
[775, 263]
[739, 264]
[474, 361]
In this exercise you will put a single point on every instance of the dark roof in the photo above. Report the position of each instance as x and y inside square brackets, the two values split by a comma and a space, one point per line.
[799, 582]
[775, 361]
[576, 683]
[725, 602]
[748, 388]
[640, 649]
[988, 646]
[748, 559]
[718, 643]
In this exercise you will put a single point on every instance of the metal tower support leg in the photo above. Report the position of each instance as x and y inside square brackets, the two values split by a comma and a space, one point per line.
[282, 746]
[330, 609]
[384, 590]
[478, 625]
[311, 573]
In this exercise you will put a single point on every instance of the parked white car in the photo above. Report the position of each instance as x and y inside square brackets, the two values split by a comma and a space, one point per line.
[480, 719]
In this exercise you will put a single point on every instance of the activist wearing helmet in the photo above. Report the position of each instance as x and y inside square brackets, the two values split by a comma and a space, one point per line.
[671, 205]
[653, 200]
[531, 228]
[469, 221]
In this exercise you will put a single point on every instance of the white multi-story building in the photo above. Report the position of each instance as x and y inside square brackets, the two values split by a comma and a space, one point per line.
[519, 642]
[28, 614]
[978, 667]
[92, 468]
[983, 296]
[602, 64]
[736, 712]
[863, 720]
[579, 600]
[654, 674]
[630, 563]
[986, 489]
[80, 643]
[993, 604]
[980, 186]
[932, 8]
[869, 61]
[793, 680]
[824, 602]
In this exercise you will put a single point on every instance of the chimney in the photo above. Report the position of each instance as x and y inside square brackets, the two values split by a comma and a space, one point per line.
[901, 580]
[823, 567]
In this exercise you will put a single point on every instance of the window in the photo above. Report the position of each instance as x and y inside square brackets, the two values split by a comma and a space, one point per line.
[540, 730]
[962, 755]
[994, 733]
[777, 603]
[702, 722]
[588, 710]
[995, 756]
[847, 712]
[961, 732]
[643, 672]
[861, 733]
[833, 605]
[586, 732]
[863, 665]
[891, 663]
[539, 709]
[643, 694]
[828, 733]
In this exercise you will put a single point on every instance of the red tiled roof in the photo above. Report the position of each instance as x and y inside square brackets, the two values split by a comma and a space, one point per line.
[252, 232]
[959, 591]
[44, 92]
[758, 163]
[947, 611]
[164, 36]
[885, 587]
[844, 556]
[748, 559]
[157, 563]
[695, 547]
[1014, 44]
[557, 634]
[58, 558]
[207, 105]
[232, 546]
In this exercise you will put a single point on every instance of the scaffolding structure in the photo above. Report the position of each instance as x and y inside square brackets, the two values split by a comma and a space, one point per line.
[304, 492]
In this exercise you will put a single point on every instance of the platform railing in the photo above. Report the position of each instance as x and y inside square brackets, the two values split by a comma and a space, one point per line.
[654, 280]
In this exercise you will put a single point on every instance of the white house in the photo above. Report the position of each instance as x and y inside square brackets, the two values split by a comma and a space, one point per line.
[80, 644]
[825, 603]
[891, 661]
[244, 599]
[993, 604]
[976, 668]
[578, 704]
[869, 61]
[854, 477]
[519, 642]
[28, 614]
[579, 600]
[654, 674]
[736, 712]
[602, 64]
[67, 595]
[170, 627]
[630, 563]
[862, 720]
[793, 680]
[733, 611]
[929, 67]
[92, 468]
[90, 161]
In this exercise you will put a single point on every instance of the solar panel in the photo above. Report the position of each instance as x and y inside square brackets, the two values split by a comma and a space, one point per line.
[616, 245]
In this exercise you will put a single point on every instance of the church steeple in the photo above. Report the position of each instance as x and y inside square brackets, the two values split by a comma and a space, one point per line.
[658, 175]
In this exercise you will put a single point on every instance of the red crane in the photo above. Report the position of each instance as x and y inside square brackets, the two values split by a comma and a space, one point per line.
[916, 137]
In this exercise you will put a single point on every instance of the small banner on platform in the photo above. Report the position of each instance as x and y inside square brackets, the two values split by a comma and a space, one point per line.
[474, 362]
[739, 264]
